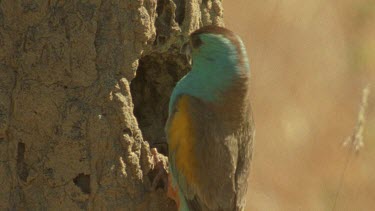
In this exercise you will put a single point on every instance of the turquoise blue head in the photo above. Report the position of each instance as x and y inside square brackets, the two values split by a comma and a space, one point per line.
[216, 46]
[218, 58]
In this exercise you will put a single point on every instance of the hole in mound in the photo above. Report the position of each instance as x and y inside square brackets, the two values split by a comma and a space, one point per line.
[83, 182]
[157, 75]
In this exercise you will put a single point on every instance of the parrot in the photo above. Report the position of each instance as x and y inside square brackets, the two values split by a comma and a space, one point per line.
[210, 127]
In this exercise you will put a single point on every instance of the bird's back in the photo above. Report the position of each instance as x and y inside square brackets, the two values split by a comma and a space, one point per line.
[220, 151]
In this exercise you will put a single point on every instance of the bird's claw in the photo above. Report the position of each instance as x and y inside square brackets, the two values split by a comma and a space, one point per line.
[160, 167]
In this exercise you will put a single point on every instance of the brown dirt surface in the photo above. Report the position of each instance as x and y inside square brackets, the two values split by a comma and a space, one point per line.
[68, 136]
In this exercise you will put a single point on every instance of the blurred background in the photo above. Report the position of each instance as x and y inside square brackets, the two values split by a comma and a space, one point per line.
[310, 61]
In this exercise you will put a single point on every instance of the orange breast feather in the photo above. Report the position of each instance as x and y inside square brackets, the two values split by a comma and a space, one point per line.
[181, 141]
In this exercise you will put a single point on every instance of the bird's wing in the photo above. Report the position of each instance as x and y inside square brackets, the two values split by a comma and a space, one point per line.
[181, 134]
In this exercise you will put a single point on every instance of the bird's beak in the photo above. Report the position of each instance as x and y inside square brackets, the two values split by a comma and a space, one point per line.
[186, 50]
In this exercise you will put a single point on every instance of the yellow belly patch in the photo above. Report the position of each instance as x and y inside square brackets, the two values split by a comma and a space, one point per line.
[181, 140]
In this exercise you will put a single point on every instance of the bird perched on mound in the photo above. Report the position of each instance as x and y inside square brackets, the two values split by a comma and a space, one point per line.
[210, 127]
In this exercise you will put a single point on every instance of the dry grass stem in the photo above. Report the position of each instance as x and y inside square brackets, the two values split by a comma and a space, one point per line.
[356, 139]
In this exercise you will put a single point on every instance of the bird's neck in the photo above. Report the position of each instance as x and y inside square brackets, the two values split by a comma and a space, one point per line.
[211, 88]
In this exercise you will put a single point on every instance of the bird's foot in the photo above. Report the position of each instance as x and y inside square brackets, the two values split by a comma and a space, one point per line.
[160, 167]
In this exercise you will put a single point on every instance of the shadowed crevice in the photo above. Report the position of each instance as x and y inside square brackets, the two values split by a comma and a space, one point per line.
[180, 11]
[163, 21]
[170, 15]
[22, 169]
[83, 182]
